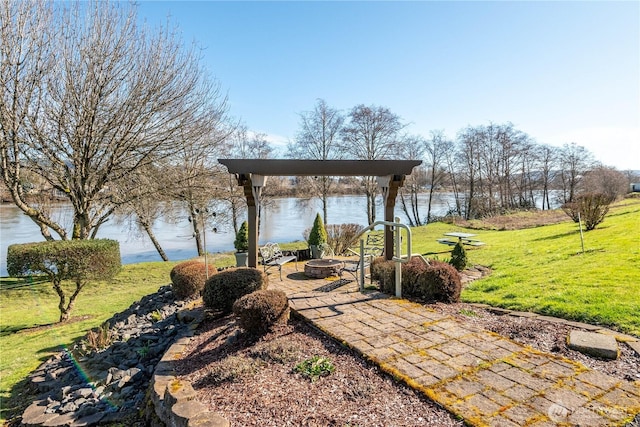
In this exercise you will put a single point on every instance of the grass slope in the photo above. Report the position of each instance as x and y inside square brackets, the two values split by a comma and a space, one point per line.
[543, 269]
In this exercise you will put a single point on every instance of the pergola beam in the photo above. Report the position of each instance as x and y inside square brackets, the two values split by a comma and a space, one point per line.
[286, 167]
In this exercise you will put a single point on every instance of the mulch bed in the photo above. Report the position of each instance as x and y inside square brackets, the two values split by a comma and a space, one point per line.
[253, 383]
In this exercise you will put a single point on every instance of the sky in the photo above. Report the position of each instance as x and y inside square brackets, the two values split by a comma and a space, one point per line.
[562, 72]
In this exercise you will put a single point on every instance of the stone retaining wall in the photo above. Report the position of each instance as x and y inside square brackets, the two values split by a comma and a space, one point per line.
[172, 402]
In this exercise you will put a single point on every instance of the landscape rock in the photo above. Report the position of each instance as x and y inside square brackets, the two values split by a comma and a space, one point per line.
[109, 385]
[594, 344]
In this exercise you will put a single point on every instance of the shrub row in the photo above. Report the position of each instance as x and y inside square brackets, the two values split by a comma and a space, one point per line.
[438, 281]
[242, 291]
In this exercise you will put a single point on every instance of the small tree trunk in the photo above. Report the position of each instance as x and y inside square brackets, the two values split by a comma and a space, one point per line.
[155, 242]
[64, 315]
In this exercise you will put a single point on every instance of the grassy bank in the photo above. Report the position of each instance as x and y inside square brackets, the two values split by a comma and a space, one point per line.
[543, 269]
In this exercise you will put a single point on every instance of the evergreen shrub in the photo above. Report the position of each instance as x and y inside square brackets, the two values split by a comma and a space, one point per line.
[440, 282]
[259, 311]
[318, 234]
[241, 243]
[188, 278]
[459, 258]
[223, 289]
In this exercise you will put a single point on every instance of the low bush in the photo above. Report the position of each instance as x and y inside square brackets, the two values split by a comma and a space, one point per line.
[591, 208]
[438, 281]
[230, 369]
[315, 367]
[383, 271]
[259, 311]
[342, 236]
[188, 278]
[223, 289]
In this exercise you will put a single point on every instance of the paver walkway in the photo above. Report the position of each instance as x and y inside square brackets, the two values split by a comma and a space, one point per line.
[486, 379]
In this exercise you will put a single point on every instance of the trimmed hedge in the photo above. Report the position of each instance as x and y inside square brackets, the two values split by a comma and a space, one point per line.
[223, 289]
[97, 259]
[438, 281]
[76, 260]
[188, 278]
[259, 311]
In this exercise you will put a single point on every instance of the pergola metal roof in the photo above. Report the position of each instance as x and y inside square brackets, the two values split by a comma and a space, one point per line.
[251, 175]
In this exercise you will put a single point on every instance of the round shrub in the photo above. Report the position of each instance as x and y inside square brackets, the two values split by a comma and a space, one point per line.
[258, 311]
[189, 277]
[223, 289]
[383, 271]
[440, 282]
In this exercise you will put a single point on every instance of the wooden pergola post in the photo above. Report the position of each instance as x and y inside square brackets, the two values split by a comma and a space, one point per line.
[389, 193]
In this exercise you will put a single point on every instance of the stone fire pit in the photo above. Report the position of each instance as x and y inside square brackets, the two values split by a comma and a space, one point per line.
[321, 268]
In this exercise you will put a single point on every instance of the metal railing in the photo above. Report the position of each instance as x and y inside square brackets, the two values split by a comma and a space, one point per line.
[398, 258]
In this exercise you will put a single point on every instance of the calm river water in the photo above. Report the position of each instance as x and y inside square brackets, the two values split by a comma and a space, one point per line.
[284, 221]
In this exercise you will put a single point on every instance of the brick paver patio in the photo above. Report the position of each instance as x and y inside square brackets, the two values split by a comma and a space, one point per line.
[478, 375]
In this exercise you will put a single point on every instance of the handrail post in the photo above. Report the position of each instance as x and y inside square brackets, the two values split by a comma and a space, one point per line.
[361, 266]
[398, 261]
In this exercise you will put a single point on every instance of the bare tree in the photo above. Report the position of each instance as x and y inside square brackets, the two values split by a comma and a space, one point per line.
[195, 170]
[318, 139]
[470, 176]
[605, 180]
[114, 98]
[371, 134]
[575, 161]
[546, 158]
[435, 149]
[412, 147]
[26, 51]
[147, 204]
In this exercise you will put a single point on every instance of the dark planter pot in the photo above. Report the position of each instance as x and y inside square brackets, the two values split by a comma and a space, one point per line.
[242, 259]
[316, 251]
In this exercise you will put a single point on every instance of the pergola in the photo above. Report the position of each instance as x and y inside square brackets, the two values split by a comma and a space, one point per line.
[252, 175]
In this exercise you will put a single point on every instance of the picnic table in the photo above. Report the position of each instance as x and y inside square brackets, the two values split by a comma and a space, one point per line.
[464, 238]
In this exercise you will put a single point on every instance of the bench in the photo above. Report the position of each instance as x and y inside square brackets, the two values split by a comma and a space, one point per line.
[272, 256]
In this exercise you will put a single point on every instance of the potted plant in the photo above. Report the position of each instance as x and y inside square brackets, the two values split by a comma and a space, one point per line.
[317, 237]
[242, 245]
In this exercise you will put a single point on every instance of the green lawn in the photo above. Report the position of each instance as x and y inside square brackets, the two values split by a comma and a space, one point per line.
[543, 269]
